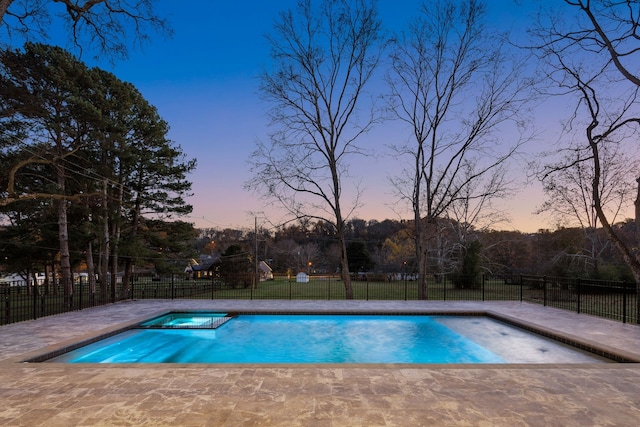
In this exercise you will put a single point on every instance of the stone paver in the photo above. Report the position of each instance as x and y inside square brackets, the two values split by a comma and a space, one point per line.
[40, 394]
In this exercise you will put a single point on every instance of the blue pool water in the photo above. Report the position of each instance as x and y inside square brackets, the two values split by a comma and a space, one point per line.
[327, 339]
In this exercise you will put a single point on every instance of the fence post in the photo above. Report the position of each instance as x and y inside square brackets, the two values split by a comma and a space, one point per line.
[521, 293]
[366, 279]
[34, 292]
[405, 287]
[624, 302]
[578, 288]
[80, 291]
[7, 306]
[444, 286]
[544, 291]
[482, 286]
[635, 314]
[213, 287]
[173, 287]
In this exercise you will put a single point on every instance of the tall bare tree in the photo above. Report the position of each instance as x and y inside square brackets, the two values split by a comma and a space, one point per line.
[569, 194]
[590, 51]
[455, 86]
[324, 55]
[109, 26]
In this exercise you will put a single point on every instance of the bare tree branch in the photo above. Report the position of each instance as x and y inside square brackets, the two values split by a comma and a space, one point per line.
[324, 58]
[108, 26]
[454, 87]
[591, 54]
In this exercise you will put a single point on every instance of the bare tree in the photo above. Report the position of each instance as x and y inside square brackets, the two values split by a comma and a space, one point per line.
[590, 51]
[109, 26]
[455, 85]
[569, 194]
[323, 58]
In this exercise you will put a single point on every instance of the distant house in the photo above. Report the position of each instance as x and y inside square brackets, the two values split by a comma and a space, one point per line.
[16, 279]
[201, 269]
[266, 273]
[205, 267]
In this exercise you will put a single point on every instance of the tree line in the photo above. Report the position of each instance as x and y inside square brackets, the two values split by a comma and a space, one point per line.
[86, 163]
[385, 248]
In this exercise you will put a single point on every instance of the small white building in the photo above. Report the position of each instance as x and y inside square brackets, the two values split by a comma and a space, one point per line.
[302, 277]
[266, 273]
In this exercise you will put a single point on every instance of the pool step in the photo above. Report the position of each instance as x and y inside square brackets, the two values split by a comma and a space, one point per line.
[212, 323]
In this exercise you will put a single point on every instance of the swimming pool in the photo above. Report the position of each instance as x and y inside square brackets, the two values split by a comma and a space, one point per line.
[293, 338]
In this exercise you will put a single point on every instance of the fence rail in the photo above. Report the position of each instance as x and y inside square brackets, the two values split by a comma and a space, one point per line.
[612, 300]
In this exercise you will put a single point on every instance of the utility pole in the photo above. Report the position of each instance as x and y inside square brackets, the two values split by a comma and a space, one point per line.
[256, 275]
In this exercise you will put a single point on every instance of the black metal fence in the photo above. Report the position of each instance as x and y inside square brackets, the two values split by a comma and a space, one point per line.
[20, 301]
[613, 300]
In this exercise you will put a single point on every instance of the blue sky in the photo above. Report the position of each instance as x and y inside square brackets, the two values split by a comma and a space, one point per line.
[204, 83]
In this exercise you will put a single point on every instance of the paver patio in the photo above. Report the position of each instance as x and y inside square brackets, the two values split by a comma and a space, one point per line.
[41, 394]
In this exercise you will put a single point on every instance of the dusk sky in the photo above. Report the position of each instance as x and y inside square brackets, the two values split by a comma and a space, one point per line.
[204, 83]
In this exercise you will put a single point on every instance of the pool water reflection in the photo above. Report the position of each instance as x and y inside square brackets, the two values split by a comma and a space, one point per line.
[261, 338]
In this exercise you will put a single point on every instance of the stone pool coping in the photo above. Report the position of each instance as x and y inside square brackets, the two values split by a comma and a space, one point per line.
[308, 395]
[597, 348]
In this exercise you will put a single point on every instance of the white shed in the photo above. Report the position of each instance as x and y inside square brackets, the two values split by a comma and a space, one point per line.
[266, 273]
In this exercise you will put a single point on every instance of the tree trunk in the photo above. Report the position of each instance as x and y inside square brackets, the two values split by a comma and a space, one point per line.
[4, 5]
[636, 272]
[420, 245]
[91, 274]
[421, 257]
[344, 263]
[117, 227]
[63, 237]
[637, 203]
[629, 255]
[104, 246]
[113, 267]
[128, 267]
[126, 277]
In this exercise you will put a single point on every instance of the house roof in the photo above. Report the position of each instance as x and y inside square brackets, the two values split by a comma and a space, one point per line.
[263, 266]
[205, 263]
